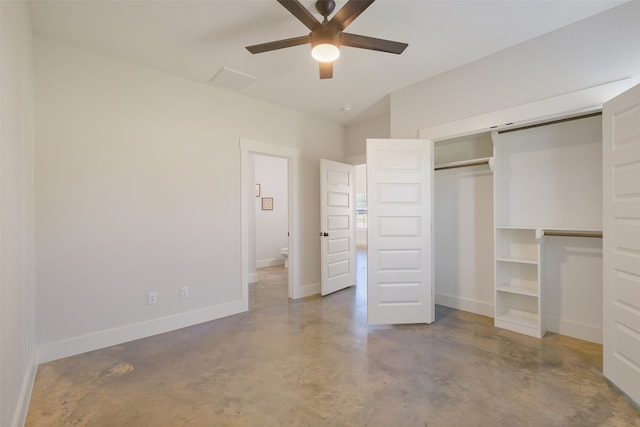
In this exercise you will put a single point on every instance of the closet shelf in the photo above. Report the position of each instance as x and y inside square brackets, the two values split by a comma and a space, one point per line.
[519, 290]
[464, 163]
[519, 317]
[518, 260]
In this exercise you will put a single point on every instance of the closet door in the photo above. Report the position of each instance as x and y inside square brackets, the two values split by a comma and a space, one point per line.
[621, 244]
[399, 255]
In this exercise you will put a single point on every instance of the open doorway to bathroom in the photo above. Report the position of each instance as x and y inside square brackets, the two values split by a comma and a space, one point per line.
[252, 196]
[271, 220]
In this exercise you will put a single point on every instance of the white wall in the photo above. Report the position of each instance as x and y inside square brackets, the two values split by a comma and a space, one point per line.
[138, 190]
[271, 226]
[550, 176]
[357, 133]
[17, 281]
[591, 52]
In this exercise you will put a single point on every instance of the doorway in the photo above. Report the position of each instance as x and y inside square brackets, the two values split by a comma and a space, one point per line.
[270, 244]
[248, 149]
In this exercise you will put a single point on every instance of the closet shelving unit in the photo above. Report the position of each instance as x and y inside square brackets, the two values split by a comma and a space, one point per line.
[519, 294]
[539, 188]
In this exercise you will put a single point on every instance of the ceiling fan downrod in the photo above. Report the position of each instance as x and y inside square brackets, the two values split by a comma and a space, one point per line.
[325, 7]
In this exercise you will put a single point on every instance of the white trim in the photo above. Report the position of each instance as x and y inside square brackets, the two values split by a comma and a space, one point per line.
[309, 290]
[465, 304]
[589, 99]
[108, 337]
[269, 262]
[20, 416]
[247, 147]
[253, 278]
[574, 329]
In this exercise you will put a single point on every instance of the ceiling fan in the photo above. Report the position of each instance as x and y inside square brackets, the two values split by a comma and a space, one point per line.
[327, 36]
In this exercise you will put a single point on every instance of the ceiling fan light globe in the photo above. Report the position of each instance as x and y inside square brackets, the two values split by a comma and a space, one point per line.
[325, 52]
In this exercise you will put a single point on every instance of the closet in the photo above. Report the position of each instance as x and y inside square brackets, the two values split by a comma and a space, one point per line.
[518, 217]
[463, 223]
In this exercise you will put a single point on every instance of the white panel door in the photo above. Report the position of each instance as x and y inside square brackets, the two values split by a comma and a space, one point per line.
[621, 241]
[337, 228]
[399, 254]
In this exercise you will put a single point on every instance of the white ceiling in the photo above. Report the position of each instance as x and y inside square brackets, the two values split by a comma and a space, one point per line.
[195, 39]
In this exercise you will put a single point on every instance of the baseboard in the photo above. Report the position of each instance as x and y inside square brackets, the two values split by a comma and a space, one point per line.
[269, 262]
[465, 304]
[106, 338]
[574, 329]
[554, 324]
[253, 277]
[20, 416]
[307, 291]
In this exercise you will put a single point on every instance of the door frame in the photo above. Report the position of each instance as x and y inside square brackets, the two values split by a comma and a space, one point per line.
[247, 198]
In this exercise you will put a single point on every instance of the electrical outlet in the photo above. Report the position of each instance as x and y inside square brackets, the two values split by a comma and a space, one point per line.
[152, 298]
[184, 292]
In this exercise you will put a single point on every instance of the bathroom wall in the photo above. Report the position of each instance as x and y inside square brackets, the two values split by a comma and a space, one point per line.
[271, 226]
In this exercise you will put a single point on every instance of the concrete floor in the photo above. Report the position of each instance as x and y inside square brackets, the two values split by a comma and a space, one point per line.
[314, 362]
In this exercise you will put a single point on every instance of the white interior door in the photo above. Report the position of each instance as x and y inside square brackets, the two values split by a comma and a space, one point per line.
[337, 226]
[621, 241]
[399, 254]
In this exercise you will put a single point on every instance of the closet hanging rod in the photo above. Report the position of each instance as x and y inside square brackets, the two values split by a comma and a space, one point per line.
[552, 122]
[462, 164]
[596, 234]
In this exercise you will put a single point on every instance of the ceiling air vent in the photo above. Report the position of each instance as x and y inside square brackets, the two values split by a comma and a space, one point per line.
[232, 79]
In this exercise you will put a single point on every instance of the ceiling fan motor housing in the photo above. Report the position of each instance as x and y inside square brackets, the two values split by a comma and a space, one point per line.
[325, 34]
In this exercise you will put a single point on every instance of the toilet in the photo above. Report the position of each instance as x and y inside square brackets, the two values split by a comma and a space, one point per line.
[285, 254]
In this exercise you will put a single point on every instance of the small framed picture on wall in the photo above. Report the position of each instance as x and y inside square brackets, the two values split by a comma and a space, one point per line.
[257, 190]
[267, 203]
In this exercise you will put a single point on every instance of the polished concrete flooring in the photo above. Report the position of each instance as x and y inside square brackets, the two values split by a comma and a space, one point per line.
[314, 362]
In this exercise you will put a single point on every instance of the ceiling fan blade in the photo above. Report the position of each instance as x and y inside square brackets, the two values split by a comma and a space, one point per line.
[279, 44]
[302, 13]
[349, 12]
[326, 70]
[372, 43]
